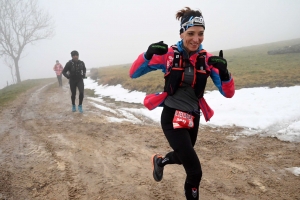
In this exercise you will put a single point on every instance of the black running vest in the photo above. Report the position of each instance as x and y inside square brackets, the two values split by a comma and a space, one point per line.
[175, 75]
[76, 68]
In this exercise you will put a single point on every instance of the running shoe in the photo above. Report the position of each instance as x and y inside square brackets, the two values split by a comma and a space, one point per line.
[80, 108]
[157, 170]
[73, 108]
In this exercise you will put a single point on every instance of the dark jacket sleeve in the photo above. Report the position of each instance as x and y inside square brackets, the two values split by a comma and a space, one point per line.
[66, 69]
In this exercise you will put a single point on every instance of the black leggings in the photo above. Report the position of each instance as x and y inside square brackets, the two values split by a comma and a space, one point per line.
[182, 141]
[73, 84]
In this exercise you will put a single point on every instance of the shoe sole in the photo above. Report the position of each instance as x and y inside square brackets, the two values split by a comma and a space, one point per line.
[153, 172]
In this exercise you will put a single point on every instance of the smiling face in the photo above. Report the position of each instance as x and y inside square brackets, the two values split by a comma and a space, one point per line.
[192, 38]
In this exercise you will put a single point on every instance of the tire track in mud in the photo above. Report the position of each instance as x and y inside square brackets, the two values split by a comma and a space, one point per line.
[5, 175]
[9, 154]
[74, 188]
[23, 125]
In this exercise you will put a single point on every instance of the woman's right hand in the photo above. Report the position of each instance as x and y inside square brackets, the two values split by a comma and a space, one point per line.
[159, 48]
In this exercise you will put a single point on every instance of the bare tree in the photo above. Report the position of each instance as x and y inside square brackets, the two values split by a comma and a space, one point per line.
[8, 61]
[22, 22]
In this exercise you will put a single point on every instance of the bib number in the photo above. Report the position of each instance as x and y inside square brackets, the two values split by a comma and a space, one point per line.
[183, 120]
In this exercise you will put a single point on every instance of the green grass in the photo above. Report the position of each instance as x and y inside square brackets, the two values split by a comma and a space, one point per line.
[89, 92]
[250, 67]
[10, 93]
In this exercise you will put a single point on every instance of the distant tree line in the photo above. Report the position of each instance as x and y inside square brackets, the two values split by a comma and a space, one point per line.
[287, 49]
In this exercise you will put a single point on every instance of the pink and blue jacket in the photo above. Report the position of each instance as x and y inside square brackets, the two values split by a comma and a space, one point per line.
[164, 62]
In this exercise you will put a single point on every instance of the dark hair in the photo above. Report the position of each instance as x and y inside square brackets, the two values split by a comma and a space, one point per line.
[187, 11]
[74, 53]
[184, 14]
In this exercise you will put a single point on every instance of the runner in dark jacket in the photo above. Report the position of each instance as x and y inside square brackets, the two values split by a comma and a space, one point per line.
[186, 66]
[75, 71]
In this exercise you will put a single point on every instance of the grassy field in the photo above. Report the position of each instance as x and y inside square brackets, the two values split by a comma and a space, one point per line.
[10, 93]
[250, 66]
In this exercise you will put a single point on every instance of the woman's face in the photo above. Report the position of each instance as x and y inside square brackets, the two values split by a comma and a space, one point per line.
[192, 38]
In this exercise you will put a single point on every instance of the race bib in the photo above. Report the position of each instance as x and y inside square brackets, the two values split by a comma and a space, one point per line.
[183, 120]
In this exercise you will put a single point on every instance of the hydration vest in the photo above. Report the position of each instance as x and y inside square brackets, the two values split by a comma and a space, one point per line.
[76, 68]
[175, 75]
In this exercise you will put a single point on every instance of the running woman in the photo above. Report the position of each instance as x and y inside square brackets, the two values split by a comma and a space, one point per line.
[186, 66]
[75, 71]
[58, 68]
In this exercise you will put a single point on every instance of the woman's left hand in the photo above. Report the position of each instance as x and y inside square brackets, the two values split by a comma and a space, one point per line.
[221, 64]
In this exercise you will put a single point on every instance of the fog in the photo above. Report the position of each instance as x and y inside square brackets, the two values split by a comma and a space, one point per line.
[107, 32]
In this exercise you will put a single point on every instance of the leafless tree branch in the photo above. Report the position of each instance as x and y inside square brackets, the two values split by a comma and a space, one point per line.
[22, 22]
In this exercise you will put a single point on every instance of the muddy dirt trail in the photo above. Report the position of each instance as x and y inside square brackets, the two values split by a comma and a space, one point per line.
[48, 152]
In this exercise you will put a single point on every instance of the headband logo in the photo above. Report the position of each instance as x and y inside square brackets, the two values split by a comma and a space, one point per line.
[199, 20]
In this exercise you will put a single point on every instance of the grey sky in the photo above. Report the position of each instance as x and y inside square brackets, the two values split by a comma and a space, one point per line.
[109, 32]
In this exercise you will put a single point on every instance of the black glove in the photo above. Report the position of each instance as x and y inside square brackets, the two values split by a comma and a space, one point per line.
[221, 64]
[159, 48]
